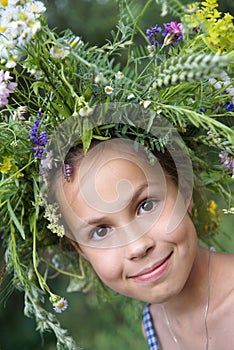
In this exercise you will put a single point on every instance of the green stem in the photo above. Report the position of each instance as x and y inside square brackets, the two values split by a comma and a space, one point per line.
[55, 89]
[139, 17]
[82, 60]
[3, 183]
[136, 23]
[66, 273]
[142, 73]
[41, 280]
[73, 93]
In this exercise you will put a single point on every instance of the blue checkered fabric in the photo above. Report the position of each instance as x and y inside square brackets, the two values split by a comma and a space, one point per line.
[149, 329]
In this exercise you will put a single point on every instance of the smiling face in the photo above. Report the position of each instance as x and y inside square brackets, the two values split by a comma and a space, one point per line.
[130, 222]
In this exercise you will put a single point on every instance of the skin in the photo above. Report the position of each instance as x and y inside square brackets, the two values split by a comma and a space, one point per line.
[180, 283]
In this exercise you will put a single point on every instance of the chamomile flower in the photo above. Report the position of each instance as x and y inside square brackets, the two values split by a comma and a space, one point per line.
[61, 305]
[36, 7]
[18, 25]
[108, 90]
[85, 111]
[59, 52]
[119, 75]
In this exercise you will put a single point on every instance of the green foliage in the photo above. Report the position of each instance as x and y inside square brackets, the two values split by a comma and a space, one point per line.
[191, 67]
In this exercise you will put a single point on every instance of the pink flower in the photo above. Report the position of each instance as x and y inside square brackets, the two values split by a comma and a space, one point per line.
[6, 87]
[174, 28]
[173, 33]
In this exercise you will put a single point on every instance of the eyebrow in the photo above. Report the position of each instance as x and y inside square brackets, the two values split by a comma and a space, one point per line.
[96, 221]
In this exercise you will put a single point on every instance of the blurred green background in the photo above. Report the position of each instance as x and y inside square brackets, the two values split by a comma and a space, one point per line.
[94, 325]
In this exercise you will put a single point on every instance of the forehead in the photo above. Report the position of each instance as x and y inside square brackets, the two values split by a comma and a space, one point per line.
[116, 159]
[114, 150]
[112, 169]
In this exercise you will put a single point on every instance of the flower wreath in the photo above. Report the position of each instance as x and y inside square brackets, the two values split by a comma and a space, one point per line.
[182, 71]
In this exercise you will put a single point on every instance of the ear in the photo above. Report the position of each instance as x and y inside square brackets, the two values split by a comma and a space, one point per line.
[78, 248]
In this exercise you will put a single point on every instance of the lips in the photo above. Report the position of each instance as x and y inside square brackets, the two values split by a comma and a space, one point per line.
[153, 272]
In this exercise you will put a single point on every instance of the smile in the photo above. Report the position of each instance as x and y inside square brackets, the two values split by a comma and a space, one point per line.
[154, 272]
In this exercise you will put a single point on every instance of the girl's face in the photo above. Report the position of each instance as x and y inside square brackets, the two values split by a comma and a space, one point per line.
[130, 222]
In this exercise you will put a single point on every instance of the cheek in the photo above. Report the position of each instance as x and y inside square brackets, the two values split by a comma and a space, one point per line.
[180, 228]
[106, 263]
[188, 234]
[185, 238]
[185, 234]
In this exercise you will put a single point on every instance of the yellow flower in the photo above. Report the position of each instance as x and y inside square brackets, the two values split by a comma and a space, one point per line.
[2, 29]
[6, 165]
[218, 28]
[4, 3]
[212, 208]
[212, 205]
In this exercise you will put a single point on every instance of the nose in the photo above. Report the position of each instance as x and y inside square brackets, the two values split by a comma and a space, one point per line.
[140, 248]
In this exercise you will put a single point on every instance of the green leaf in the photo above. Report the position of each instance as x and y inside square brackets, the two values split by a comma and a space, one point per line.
[15, 220]
[62, 109]
[87, 135]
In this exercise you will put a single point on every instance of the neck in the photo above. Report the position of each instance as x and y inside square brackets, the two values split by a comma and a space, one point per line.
[193, 295]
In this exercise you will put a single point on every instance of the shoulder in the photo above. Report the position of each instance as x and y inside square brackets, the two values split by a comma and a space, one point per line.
[222, 265]
[223, 261]
[222, 298]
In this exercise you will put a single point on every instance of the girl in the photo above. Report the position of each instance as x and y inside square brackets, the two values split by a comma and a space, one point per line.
[126, 212]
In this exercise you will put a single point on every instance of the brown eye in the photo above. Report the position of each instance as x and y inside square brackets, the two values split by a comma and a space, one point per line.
[146, 206]
[100, 232]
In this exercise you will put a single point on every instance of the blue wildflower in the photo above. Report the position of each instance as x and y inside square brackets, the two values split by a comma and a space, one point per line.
[152, 35]
[39, 139]
[34, 131]
[39, 151]
[42, 139]
[230, 107]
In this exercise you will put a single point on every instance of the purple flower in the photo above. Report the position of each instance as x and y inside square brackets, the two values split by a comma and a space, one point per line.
[39, 139]
[39, 151]
[152, 35]
[47, 160]
[6, 88]
[68, 169]
[61, 305]
[42, 139]
[34, 131]
[173, 33]
[230, 107]
[228, 161]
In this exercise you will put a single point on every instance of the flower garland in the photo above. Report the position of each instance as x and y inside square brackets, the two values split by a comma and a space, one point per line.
[183, 73]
